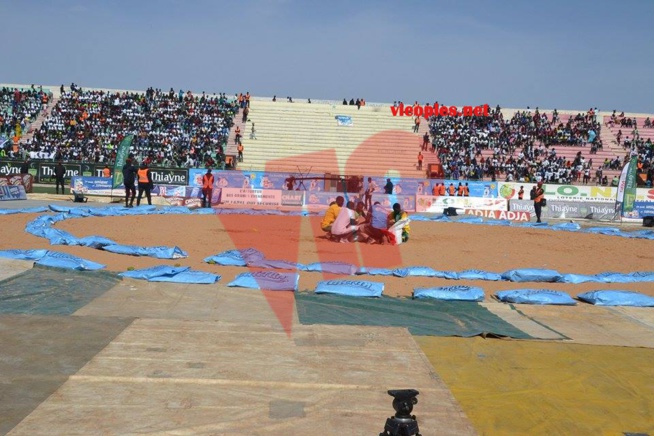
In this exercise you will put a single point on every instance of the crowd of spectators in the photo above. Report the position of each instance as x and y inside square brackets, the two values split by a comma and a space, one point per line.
[18, 109]
[172, 129]
[634, 145]
[523, 148]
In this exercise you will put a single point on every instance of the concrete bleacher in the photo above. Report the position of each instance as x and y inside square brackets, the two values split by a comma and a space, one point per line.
[302, 137]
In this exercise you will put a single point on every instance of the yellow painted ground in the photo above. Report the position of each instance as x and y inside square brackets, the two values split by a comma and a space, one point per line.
[548, 388]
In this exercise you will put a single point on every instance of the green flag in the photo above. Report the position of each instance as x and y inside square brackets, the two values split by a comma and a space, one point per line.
[121, 158]
[630, 186]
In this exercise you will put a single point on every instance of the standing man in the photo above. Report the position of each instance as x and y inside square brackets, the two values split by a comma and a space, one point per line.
[420, 158]
[25, 167]
[253, 132]
[207, 188]
[538, 200]
[240, 152]
[129, 178]
[145, 183]
[60, 176]
[367, 196]
[521, 193]
[388, 188]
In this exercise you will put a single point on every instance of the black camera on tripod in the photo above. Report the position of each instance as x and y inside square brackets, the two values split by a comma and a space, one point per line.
[402, 423]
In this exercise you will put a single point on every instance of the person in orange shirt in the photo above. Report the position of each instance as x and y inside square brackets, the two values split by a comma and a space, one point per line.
[237, 136]
[460, 190]
[466, 190]
[441, 189]
[106, 172]
[207, 188]
[451, 190]
[420, 158]
[240, 152]
[435, 191]
[416, 127]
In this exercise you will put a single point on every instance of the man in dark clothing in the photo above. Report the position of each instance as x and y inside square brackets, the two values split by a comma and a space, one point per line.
[60, 176]
[145, 183]
[25, 167]
[129, 178]
[388, 188]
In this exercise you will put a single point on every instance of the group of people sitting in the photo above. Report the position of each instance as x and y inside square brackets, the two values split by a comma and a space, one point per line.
[174, 129]
[353, 223]
[19, 108]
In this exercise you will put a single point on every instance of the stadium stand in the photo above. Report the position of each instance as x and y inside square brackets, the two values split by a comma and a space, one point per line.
[556, 148]
[308, 136]
[19, 108]
[173, 129]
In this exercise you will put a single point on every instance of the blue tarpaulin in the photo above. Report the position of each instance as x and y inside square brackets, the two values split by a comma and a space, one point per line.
[351, 288]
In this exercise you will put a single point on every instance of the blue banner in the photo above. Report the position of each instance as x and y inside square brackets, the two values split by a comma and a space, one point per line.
[93, 185]
[641, 210]
[16, 192]
[257, 180]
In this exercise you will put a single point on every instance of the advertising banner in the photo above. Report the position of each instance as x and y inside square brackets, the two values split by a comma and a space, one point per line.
[12, 193]
[320, 199]
[428, 203]
[630, 186]
[12, 167]
[408, 202]
[499, 214]
[46, 171]
[343, 120]
[169, 176]
[121, 158]
[509, 190]
[251, 197]
[641, 210]
[19, 179]
[412, 186]
[257, 180]
[93, 186]
[292, 198]
[599, 211]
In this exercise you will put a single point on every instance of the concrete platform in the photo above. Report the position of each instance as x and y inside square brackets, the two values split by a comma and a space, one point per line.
[202, 377]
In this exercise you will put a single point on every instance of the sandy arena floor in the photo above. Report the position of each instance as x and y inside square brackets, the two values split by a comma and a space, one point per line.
[443, 246]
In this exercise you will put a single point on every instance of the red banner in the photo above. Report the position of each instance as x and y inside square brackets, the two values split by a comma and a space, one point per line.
[18, 179]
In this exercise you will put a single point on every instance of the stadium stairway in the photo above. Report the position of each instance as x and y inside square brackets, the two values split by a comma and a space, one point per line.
[305, 137]
[36, 125]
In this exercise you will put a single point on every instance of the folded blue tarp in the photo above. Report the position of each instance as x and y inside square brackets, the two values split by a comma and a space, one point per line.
[342, 268]
[165, 273]
[477, 274]
[424, 271]
[23, 254]
[267, 280]
[190, 276]
[275, 264]
[158, 252]
[95, 241]
[451, 293]
[532, 275]
[375, 271]
[68, 261]
[351, 288]
[611, 297]
[535, 296]
[236, 257]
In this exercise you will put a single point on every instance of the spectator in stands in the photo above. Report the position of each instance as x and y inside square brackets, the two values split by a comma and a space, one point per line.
[420, 158]
[106, 172]
[25, 167]
[239, 148]
[253, 132]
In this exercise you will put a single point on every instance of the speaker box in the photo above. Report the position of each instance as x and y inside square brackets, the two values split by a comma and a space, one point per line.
[648, 221]
[450, 211]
